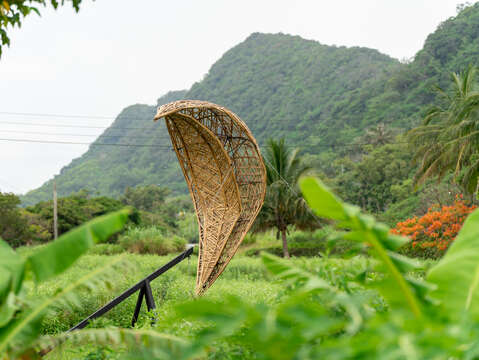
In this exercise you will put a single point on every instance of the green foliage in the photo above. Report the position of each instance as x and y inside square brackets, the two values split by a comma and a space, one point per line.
[107, 249]
[320, 318]
[148, 344]
[13, 227]
[283, 204]
[20, 318]
[283, 85]
[75, 210]
[457, 274]
[155, 208]
[35, 223]
[378, 179]
[364, 229]
[244, 278]
[321, 242]
[39, 229]
[147, 198]
[50, 259]
[151, 240]
[447, 140]
[416, 202]
[378, 135]
[12, 13]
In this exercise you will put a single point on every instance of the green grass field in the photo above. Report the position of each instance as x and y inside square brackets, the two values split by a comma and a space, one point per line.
[245, 277]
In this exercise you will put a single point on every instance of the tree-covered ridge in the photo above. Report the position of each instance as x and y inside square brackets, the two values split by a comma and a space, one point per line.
[401, 99]
[318, 97]
[281, 84]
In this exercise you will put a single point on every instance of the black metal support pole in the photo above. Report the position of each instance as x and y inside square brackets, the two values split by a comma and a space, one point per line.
[138, 306]
[139, 285]
[150, 301]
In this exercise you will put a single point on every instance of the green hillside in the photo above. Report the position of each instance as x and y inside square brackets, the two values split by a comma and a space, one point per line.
[316, 96]
[400, 99]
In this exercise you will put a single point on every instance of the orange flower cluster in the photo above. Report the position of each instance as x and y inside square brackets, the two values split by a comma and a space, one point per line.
[432, 233]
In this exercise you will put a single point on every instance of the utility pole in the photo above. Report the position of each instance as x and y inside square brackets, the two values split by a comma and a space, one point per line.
[55, 212]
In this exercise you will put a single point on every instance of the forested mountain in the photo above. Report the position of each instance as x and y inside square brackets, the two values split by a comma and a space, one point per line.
[399, 99]
[318, 97]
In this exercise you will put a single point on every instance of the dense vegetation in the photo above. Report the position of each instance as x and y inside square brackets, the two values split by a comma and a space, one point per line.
[369, 307]
[154, 219]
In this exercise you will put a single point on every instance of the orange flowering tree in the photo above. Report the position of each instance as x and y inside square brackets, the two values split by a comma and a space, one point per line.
[432, 233]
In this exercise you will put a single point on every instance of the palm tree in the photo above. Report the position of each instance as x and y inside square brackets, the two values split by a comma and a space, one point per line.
[378, 135]
[448, 140]
[284, 205]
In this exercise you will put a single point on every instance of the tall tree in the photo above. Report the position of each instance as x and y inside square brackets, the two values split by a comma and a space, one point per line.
[378, 135]
[146, 198]
[284, 204]
[13, 227]
[448, 140]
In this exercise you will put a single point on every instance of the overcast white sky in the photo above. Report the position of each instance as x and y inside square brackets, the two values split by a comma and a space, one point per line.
[115, 53]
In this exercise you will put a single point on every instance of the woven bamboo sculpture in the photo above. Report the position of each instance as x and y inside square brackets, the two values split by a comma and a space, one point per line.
[225, 174]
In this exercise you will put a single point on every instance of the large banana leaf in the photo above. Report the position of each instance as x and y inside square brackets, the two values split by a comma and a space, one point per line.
[11, 270]
[25, 327]
[457, 274]
[363, 228]
[19, 329]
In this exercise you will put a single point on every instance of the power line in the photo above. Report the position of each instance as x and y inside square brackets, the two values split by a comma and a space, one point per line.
[80, 117]
[83, 143]
[70, 134]
[56, 115]
[69, 116]
[70, 126]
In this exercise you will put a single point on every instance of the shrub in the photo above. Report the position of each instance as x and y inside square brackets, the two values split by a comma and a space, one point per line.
[13, 227]
[432, 233]
[151, 240]
[39, 230]
[75, 210]
[106, 249]
[304, 243]
[249, 239]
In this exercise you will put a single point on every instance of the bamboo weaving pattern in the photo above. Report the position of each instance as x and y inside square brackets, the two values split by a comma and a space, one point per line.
[225, 174]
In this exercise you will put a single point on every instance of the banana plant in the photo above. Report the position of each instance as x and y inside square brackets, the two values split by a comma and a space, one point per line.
[436, 318]
[398, 288]
[20, 318]
[456, 275]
